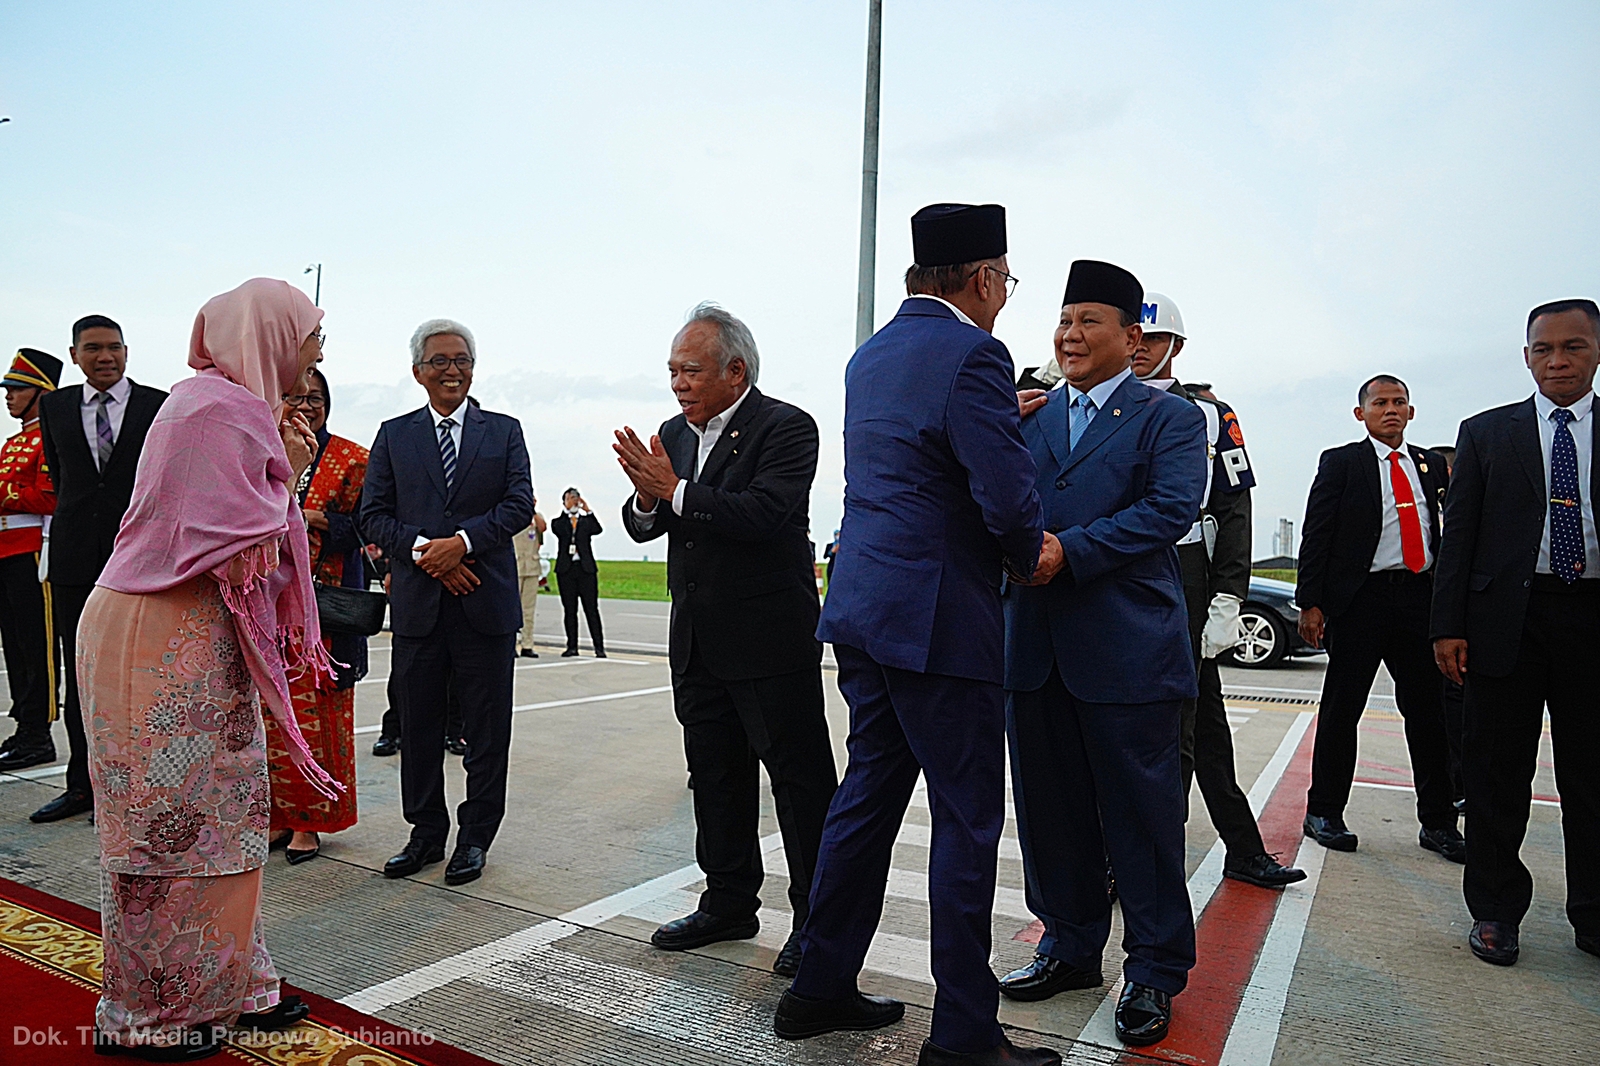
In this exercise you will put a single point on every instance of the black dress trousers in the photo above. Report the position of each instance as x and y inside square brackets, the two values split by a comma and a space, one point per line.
[483, 666]
[1386, 623]
[1557, 667]
[1205, 748]
[731, 728]
[68, 602]
[27, 649]
[578, 585]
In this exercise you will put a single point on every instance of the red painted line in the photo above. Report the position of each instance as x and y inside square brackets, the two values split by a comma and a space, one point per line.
[1233, 928]
[1031, 933]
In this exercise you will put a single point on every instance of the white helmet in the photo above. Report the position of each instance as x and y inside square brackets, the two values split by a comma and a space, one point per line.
[1159, 314]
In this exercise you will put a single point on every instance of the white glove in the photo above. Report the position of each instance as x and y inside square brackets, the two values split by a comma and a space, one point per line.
[1222, 626]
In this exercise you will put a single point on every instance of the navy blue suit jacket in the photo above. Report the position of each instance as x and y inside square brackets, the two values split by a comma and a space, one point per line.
[491, 500]
[1118, 627]
[938, 489]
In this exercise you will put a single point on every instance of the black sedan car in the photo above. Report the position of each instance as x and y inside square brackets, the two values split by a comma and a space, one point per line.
[1271, 622]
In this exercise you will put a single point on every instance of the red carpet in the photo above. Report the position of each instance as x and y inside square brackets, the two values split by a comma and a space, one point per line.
[50, 971]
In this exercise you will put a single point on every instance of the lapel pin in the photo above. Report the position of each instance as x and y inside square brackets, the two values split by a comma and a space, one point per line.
[735, 433]
[1423, 467]
[1116, 411]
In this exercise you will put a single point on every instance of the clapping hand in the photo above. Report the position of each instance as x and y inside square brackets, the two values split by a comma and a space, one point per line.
[649, 468]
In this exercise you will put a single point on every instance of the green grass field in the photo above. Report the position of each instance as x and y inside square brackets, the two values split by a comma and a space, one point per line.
[626, 579]
[1276, 575]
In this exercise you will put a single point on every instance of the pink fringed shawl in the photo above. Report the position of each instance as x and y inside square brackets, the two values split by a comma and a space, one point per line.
[212, 496]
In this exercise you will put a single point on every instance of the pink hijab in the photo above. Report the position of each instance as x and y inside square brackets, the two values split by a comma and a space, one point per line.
[213, 494]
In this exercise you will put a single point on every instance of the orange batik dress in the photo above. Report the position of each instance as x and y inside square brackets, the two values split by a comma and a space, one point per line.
[327, 713]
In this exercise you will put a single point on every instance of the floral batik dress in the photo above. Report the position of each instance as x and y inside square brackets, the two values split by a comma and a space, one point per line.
[178, 757]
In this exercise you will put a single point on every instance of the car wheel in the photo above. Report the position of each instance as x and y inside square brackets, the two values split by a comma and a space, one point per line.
[1266, 641]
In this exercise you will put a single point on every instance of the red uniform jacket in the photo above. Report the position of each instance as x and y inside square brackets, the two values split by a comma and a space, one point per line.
[25, 489]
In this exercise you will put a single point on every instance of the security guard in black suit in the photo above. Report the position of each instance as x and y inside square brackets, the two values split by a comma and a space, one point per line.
[1370, 540]
[1215, 559]
[1516, 616]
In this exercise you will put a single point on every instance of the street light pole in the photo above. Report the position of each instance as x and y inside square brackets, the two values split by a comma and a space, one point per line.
[317, 300]
[867, 271]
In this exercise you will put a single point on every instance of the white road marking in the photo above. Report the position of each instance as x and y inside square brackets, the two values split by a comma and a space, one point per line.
[579, 661]
[1101, 1029]
[547, 704]
[1407, 788]
[35, 774]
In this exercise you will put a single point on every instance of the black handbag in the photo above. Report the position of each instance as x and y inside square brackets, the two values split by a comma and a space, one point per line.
[347, 610]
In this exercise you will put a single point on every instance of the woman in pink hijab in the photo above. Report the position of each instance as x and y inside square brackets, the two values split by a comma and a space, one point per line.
[202, 613]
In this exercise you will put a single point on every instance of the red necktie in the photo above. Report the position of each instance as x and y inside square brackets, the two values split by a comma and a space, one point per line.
[1410, 524]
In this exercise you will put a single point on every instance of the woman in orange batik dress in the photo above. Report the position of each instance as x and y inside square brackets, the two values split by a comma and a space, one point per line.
[330, 499]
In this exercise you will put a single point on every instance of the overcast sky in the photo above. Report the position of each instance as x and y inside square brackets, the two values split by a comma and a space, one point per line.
[1327, 191]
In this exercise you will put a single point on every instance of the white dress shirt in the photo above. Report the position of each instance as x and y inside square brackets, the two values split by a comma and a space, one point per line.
[1582, 431]
[455, 440]
[939, 299]
[1098, 395]
[708, 440]
[89, 407]
[1390, 554]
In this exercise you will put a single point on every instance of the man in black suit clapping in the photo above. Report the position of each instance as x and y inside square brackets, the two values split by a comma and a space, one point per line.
[1516, 618]
[453, 593]
[93, 435]
[729, 482]
[1365, 583]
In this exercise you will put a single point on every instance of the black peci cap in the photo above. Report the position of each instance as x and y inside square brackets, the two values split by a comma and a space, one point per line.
[947, 234]
[1093, 282]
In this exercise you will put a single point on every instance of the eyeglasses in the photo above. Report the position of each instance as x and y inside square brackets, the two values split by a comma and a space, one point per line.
[312, 401]
[1011, 282]
[444, 362]
[322, 339]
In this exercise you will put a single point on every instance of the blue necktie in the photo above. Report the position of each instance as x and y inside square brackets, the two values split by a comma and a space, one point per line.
[447, 452]
[1080, 414]
[1566, 511]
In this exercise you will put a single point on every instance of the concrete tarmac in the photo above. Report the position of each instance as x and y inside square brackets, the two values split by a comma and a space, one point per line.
[546, 959]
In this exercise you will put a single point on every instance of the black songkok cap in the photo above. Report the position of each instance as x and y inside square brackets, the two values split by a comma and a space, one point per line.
[948, 234]
[1093, 282]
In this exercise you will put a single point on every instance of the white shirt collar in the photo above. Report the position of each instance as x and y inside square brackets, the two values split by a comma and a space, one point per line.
[715, 423]
[1163, 383]
[1101, 392]
[456, 414]
[1383, 449]
[119, 392]
[938, 299]
[1580, 409]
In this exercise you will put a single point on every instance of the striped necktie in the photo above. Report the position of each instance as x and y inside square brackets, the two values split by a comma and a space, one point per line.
[447, 452]
[1566, 512]
[104, 441]
[1081, 413]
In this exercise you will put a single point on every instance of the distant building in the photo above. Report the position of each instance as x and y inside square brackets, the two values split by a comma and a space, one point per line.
[1275, 562]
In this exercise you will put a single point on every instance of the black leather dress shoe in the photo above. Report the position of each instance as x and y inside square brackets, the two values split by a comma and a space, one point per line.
[412, 858]
[465, 865]
[528, 653]
[1331, 833]
[798, 1017]
[456, 745]
[1143, 1015]
[787, 964]
[1261, 870]
[200, 1042]
[386, 746]
[1004, 1053]
[1495, 942]
[34, 749]
[570, 653]
[65, 805]
[1044, 977]
[599, 653]
[290, 1009]
[1591, 944]
[1447, 842]
[698, 929]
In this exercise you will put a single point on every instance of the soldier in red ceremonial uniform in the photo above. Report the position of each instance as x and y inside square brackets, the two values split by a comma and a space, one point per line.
[27, 499]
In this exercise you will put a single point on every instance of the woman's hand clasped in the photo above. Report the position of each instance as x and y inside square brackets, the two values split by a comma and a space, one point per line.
[299, 443]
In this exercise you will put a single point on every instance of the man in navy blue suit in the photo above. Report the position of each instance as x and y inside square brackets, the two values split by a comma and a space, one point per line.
[939, 497]
[1098, 663]
[447, 488]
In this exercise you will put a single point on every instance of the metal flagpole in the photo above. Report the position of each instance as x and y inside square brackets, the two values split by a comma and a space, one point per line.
[866, 275]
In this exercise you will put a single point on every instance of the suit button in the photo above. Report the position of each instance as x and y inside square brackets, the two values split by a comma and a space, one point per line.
[688, 544]
[102, 484]
[1061, 484]
[691, 586]
[1525, 584]
[447, 514]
